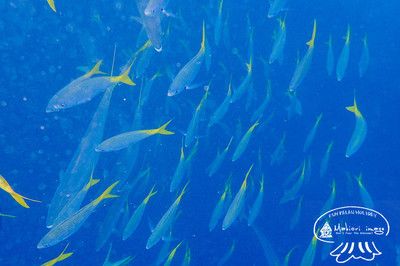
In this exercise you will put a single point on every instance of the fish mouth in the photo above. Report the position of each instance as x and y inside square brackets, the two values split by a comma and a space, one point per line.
[170, 93]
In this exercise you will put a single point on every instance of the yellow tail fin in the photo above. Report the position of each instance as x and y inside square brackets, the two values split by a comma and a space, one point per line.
[310, 43]
[348, 35]
[162, 130]
[20, 199]
[254, 126]
[244, 184]
[52, 5]
[91, 183]
[124, 78]
[354, 109]
[106, 194]
[95, 70]
[151, 194]
[179, 198]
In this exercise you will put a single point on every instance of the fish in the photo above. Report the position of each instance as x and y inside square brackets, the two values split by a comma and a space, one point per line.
[151, 25]
[243, 143]
[228, 254]
[121, 262]
[219, 159]
[293, 192]
[183, 80]
[124, 140]
[61, 257]
[279, 43]
[52, 5]
[343, 59]
[268, 249]
[288, 256]
[4, 185]
[165, 222]
[187, 257]
[256, 207]
[82, 163]
[359, 132]
[237, 204]
[222, 109]
[309, 255]
[259, 112]
[172, 255]
[279, 152]
[245, 84]
[365, 196]
[325, 160]
[330, 57]
[179, 173]
[7, 215]
[220, 207]
[303, 66]
[75, 202]
[331, 200]
[276, 6]
[194, 122]
[72, 224]
[311, 134]
[137, 215]
[218, 24]
[364, 59]
[294, 220]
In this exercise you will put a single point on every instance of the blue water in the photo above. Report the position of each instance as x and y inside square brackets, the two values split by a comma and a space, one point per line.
[42, 51]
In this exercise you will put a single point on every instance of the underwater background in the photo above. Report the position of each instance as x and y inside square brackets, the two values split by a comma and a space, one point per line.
[41, 51]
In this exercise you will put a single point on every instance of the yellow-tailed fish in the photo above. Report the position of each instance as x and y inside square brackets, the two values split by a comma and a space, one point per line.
[172, 254]
[256, 207]
[121, 262]
[279, 43]
[330, 57]
[187, 258]
[259, 112]
[279, 152]
[365, 196]
[246, 83]
[137, 215]
[165, 222]
[243, 143]
[84, 90]
[311, 134]
[179, 173]
[304, 65]
[59, 258]
[228, 254]
[219, 159]
[331, 200]
[183, 80]
[293, 192]
[151, 24]
[359, 132]
[17, 197]
[294, 220]
[237, 204]
[74, 203]
[68, 227]
[194, 122]
[222, 109]
[126, 139]
[364, 59]
[52, 5]
[343, 59]
[325, 160]
[309, 255]
[288, 256]
[218, 24]
[220, 207]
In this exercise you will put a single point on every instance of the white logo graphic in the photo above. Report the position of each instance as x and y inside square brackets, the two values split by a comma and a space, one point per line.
[355, 229]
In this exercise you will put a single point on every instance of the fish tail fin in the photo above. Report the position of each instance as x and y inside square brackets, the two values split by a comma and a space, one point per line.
[244, 184]
[19, 199]
[348, 34]
[91, 183]
[262, 183]
[95, 70]
[124, 77]
[182, 192]
[203, 38]
[151, 194]
[229, 144]
[52, 5]
[163, 131]
[106, 194]
[65, 256]
[310, 43]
